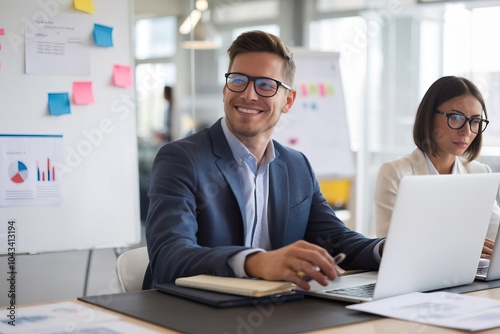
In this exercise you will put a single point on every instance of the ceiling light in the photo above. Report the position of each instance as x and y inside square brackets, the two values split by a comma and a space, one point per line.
[190, 22]
[205, 37]
[201, 5]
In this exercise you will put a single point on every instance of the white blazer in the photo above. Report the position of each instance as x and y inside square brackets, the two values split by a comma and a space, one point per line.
[390, 174]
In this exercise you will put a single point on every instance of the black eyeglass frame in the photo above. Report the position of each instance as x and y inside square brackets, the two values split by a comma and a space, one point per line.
[467, 120]
[250, 78]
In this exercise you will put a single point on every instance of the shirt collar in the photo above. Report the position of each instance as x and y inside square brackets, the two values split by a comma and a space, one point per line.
[240, 151]
[433, 170]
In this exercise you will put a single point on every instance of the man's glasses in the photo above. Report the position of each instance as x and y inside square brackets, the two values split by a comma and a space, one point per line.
[265, 87]
[457, 121]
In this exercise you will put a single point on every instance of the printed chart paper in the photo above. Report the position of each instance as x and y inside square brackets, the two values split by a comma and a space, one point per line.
[443, 309]
[29, 170]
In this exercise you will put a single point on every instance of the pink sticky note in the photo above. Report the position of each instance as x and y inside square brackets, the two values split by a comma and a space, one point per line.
[2, 31]
[322, 90]
[122, 76]
[303, 89]
[82, 92]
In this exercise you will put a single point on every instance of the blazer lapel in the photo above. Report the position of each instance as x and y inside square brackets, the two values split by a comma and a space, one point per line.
[278, 202]
[226, 164]
[419, 163]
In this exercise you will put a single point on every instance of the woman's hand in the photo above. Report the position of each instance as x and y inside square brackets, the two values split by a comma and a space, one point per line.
[487, 248]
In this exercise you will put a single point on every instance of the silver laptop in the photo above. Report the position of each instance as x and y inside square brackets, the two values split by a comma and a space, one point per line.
[489, 270]
[435, 239]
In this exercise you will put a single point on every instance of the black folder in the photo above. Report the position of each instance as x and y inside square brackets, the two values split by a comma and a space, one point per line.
[221, 300]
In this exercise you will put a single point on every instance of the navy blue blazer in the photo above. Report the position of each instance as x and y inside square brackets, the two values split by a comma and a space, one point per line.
[196, 212]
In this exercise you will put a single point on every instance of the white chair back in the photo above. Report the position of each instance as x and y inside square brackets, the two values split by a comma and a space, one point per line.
[131, 267]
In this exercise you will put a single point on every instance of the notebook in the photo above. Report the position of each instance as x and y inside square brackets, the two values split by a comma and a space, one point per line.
[434, 241]
[222, 300]
[236, 286]
[489, 270]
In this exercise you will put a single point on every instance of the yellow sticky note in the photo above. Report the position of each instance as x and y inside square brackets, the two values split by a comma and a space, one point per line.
[86, 6]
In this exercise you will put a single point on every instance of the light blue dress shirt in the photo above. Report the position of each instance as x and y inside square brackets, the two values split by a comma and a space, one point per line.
[255, 184]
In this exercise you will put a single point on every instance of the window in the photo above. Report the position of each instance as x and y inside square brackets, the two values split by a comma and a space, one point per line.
[346, 35]
[472, 50]
[155, 49]
[339, 5]
[151, 104]
[155, 38]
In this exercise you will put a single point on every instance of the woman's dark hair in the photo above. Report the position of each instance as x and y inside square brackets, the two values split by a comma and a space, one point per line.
[442, 90]
[260, 41]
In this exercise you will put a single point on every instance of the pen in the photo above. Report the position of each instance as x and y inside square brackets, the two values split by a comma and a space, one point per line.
[337, 258]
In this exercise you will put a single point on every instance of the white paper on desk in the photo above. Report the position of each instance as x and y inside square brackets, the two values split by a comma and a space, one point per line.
[443, 309]
[113, 327]
[66, 317]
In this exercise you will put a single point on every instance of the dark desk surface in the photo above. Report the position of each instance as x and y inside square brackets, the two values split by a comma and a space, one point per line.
[187, 316]
[309, 314]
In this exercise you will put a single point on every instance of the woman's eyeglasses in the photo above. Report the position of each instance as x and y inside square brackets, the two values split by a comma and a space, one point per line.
[457, 121]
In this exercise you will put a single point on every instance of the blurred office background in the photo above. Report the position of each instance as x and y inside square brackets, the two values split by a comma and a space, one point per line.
[390, 53]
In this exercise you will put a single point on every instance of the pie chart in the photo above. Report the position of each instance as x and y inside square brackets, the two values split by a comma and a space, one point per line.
[18, 172]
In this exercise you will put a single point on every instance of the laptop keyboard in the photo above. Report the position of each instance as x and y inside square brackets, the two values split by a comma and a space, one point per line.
[365, 291]
[482, 271]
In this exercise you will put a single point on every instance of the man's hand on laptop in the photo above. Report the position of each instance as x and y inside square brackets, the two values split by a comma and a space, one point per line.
[297, 263]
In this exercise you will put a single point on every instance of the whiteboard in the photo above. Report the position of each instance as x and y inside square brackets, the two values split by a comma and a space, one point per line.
[98, 174]
[317, 122]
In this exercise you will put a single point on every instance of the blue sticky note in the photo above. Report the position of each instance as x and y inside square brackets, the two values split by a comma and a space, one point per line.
[103, 35]
[59, 104]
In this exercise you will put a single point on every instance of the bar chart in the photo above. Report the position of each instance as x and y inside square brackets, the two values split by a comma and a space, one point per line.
[47, 175]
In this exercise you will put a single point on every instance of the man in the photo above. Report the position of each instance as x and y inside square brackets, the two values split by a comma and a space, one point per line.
[229, 201]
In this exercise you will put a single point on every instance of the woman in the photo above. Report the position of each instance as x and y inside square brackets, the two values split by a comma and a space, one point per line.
[448, 134]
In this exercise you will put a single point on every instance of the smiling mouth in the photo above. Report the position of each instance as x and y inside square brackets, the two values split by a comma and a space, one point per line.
[248, 111]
